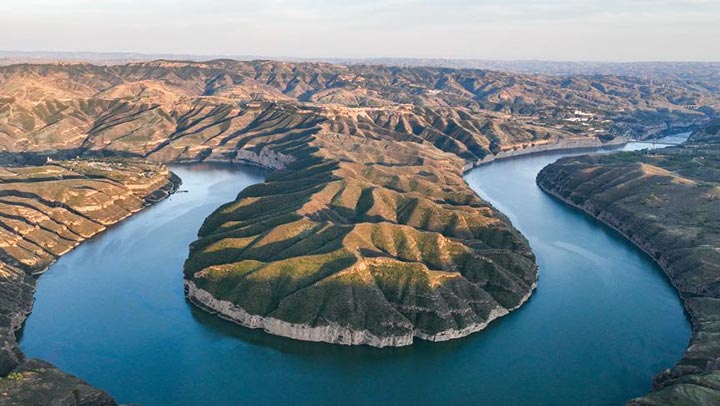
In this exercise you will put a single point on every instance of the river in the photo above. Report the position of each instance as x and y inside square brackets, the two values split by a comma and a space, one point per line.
[603, 321]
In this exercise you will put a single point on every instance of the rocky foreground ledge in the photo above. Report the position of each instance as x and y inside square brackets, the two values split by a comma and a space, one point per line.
[667, 202]
[46, 211]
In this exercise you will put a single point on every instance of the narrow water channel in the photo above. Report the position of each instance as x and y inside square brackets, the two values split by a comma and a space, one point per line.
[603, 320]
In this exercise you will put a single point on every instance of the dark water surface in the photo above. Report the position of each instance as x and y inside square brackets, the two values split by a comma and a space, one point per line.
[603, 321]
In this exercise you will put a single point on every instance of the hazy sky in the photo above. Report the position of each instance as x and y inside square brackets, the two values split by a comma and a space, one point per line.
[608, 30]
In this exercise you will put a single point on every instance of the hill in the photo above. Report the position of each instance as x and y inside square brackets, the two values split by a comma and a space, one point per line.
[173, 110]
[46, 211]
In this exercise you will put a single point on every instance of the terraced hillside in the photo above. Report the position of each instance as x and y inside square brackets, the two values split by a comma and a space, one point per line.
[667, 202]
[45, 211]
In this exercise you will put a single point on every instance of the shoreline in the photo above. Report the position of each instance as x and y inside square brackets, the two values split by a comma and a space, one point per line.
[604, 220]
[331, 334]
[19, 317]
[575, 144]
[664, 377]
[167, 190]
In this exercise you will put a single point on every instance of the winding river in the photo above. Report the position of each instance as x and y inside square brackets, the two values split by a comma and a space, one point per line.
[603, 321]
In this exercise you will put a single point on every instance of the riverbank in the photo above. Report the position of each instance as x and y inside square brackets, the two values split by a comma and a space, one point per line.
[664, 203]
[331, 334]
[46, 212]
[568, 144]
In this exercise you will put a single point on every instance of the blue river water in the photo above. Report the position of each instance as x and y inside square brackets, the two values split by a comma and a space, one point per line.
[603, 321]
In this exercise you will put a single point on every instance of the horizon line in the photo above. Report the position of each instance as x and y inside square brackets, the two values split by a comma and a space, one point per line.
[119, 55]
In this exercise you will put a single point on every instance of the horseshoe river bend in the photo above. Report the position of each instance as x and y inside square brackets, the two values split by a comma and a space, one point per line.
[602, 322]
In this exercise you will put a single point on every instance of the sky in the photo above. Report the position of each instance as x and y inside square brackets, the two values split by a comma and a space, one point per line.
[566, 30]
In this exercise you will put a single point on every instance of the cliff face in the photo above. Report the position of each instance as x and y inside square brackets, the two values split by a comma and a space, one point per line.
[667, 202]
[45, 211]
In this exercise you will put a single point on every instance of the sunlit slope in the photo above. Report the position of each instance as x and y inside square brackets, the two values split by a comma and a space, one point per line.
[188, 111]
